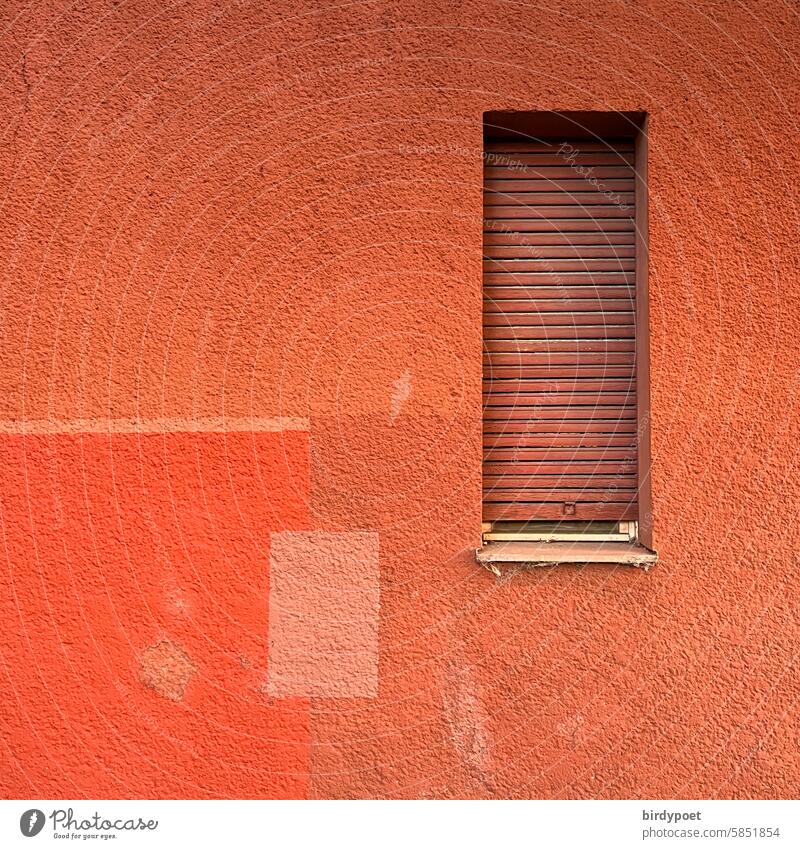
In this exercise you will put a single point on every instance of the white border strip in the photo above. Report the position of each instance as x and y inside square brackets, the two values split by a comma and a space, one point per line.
[474, 824]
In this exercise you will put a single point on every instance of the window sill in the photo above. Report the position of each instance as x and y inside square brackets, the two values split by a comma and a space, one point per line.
[551, 553]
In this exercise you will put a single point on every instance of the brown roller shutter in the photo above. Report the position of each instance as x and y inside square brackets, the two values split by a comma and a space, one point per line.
[559, 381]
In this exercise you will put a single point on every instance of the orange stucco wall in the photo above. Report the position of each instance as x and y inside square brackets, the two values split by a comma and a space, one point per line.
[241, 271]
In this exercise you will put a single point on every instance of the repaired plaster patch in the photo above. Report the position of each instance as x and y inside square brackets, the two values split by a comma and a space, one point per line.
[400, 394]
[324, 602]
[468, 722]
[167, 669]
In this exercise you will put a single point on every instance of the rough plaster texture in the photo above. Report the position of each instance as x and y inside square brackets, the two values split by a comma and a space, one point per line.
[253, 210]
[324, 604]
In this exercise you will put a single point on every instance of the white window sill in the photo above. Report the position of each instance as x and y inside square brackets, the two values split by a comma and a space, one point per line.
[551, 553]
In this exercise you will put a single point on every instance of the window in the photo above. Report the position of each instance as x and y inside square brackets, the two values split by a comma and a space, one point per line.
[565, 374]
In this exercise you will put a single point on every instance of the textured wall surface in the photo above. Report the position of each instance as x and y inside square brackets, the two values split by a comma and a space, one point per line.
[241, 297]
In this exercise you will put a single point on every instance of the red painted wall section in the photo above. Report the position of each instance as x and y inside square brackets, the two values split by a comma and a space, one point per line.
[135, 619]
[256, 229]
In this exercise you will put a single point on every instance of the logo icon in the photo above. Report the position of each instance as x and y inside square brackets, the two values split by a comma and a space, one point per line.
[31, 822]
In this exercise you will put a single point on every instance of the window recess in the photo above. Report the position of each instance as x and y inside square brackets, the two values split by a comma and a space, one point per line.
[565, 371]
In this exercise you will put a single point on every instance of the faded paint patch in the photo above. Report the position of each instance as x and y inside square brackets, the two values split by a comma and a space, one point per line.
[167, 669]
[468, 722]
[323, 612]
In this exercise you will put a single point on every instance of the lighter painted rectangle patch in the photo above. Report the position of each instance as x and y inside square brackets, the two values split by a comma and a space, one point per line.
[324, 602]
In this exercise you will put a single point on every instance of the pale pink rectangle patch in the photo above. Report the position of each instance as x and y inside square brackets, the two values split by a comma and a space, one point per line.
[324, 602]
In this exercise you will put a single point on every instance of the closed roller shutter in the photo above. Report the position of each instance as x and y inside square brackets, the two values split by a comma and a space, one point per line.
[559, 378]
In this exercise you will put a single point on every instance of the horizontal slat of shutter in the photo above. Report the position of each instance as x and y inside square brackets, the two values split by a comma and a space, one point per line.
[501, 293]
[530, 364]
[559, 252]
[604, 320]
[501, 407]
[548, 371]
[515, 266]
[530, 212]
[551, 455]
[575, 411]
[559, 388]
[553, 330]
[558, 468]
[593, 238]
[587, 384]
[559, 426]
[548, 278]
[548, 159]
[545, 494]
[571, 187]
[540, 171]
[565, 225]
[562, 482]
[571, 440]
[564, 147]
[568, 200]
[577, 304]
[583, 511]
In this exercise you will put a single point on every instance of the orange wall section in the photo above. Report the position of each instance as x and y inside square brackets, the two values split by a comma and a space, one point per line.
[248, 213]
